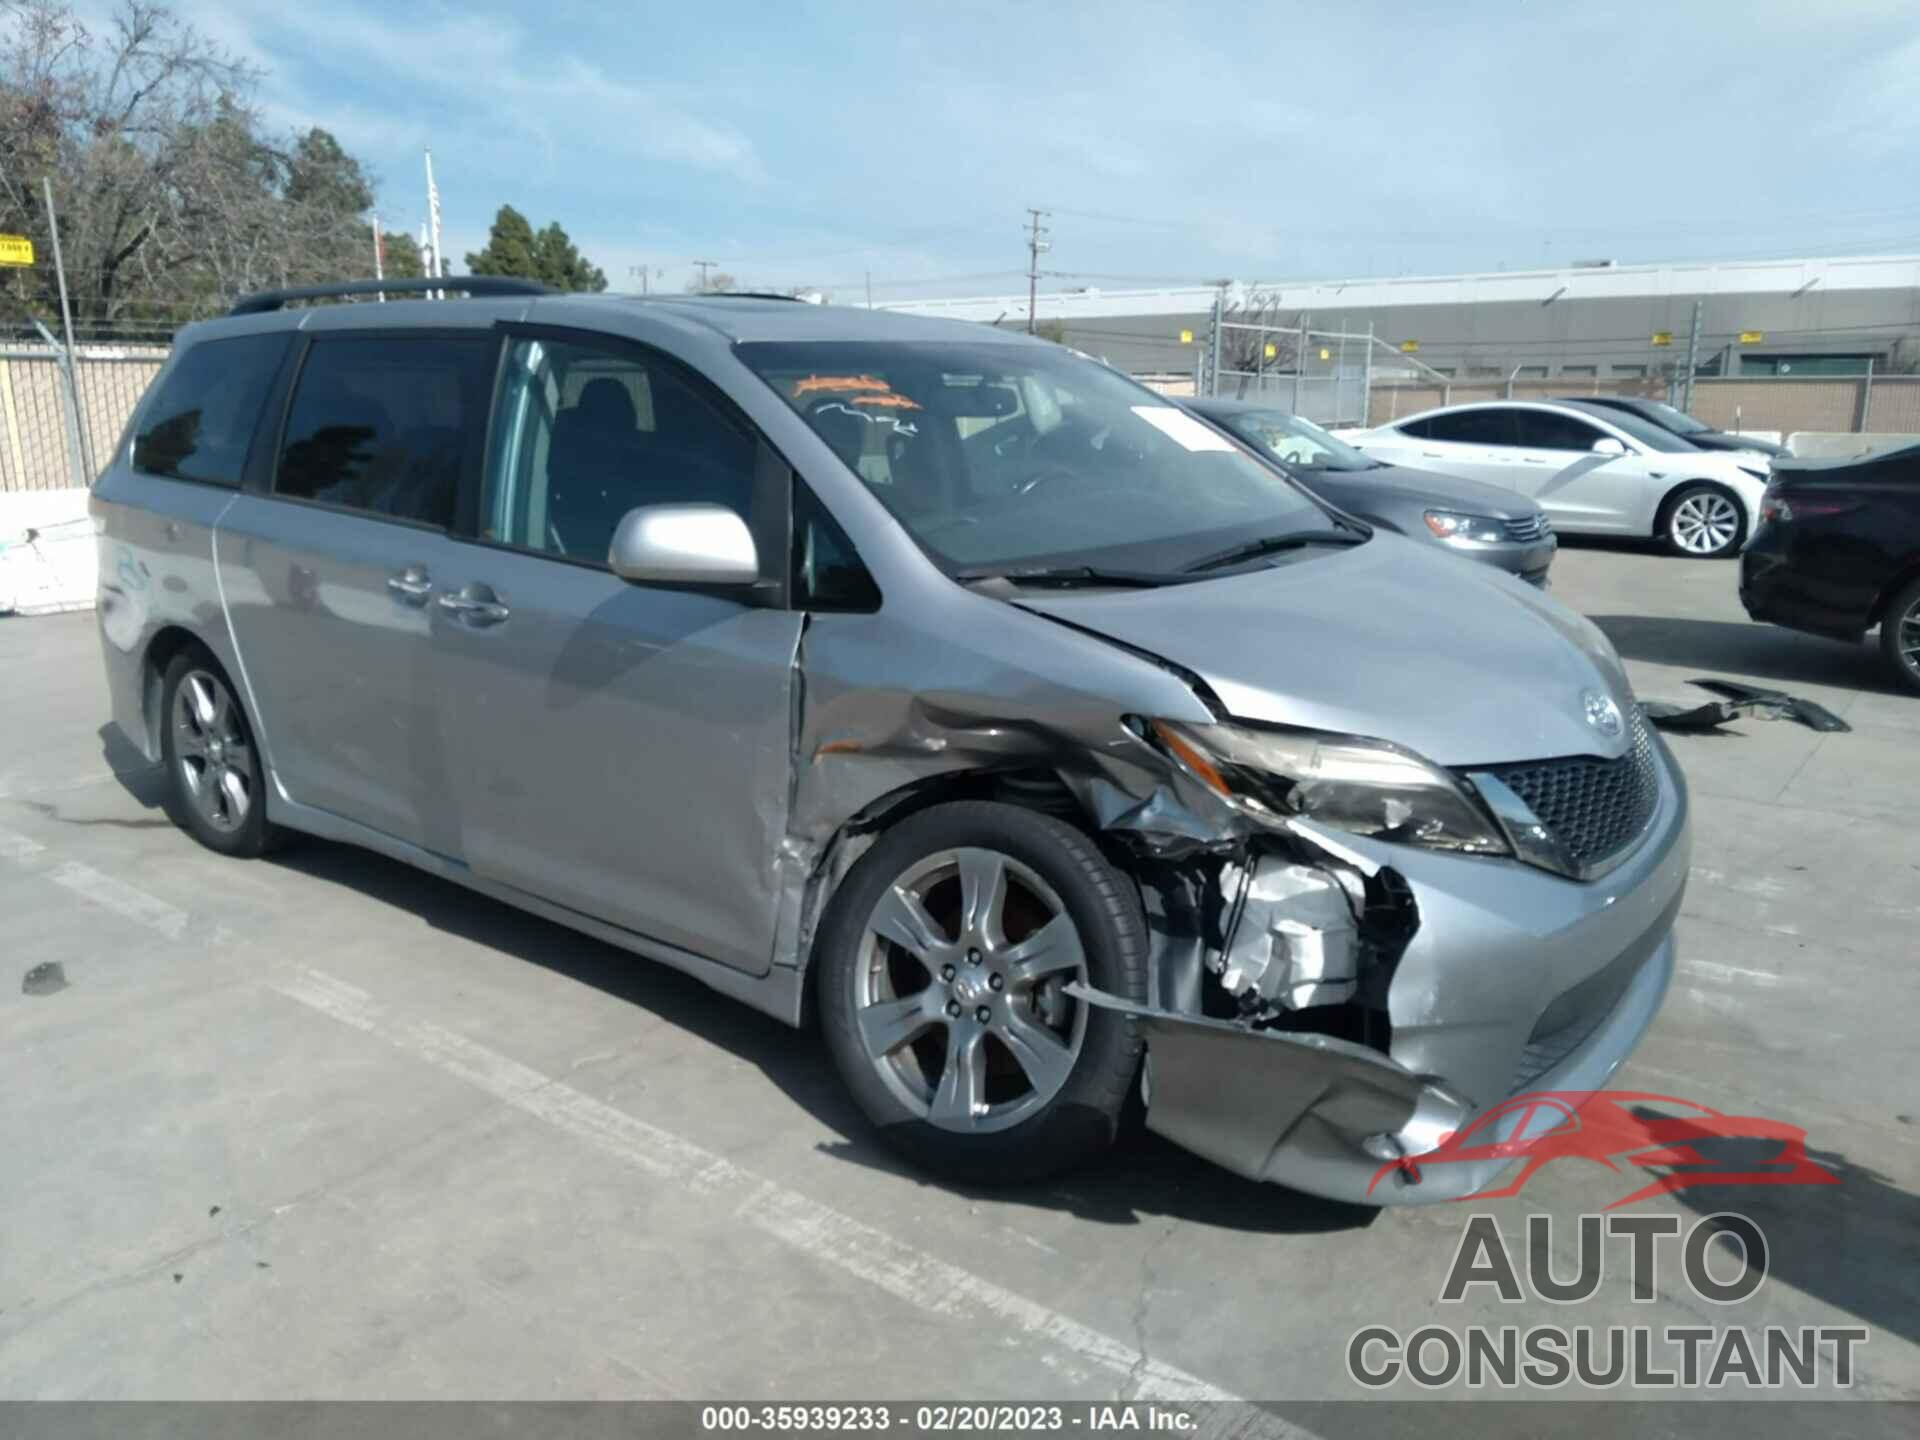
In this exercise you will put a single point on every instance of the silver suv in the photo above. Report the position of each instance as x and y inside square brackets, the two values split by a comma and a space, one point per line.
[925, 676]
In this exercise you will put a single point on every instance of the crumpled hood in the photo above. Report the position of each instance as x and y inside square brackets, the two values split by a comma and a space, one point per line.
[1392, 639]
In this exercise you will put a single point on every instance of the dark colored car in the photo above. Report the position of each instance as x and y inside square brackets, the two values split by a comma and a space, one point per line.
[1469, 518]
[1838, 552]
[1678, 422]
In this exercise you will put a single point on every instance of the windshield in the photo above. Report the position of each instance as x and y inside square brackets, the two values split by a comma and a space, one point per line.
[1027, 456]
[1296, 441]
[1643, 430]
[1677, 420]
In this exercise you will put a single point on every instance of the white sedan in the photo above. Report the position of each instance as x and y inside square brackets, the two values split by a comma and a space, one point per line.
[1594, 471]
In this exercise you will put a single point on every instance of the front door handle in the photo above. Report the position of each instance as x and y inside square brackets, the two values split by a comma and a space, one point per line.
[412, 584]
[476, 605]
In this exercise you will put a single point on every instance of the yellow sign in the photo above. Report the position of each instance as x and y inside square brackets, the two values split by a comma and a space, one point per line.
[15, 250]
[1325, 354]
[1186, 337]
[1663, 337]
[1408, 347]
[1751, 337]
[1272, 351]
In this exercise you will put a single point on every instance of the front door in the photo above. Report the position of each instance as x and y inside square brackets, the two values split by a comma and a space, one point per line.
[623, 750]
[1578, 488]
[328, 578]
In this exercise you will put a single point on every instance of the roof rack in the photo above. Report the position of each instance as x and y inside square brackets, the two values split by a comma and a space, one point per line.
[474, 285]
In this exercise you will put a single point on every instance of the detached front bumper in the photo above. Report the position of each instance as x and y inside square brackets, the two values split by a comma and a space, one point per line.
[1516, 980]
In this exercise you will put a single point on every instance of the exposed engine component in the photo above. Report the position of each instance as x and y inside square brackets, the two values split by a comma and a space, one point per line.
[1296, 940]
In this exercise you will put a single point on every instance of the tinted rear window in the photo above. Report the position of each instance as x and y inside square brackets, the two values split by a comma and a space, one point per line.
[202, 418]
[387, 425]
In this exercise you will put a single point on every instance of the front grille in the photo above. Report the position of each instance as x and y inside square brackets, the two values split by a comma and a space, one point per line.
[1533, 527]
[1594, 808]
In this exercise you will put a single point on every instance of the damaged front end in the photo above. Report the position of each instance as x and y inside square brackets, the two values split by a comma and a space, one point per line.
[1353, 952]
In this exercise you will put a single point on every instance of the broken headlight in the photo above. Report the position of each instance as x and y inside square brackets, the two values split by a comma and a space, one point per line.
[1368, 787]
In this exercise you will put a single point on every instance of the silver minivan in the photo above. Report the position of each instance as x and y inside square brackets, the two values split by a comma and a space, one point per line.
[923, 676]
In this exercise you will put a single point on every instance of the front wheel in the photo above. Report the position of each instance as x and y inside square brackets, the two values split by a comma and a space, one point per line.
[1900, 636]
[1703, 521]
[943, 968]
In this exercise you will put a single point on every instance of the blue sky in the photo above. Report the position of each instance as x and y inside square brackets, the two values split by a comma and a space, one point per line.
[818, 143]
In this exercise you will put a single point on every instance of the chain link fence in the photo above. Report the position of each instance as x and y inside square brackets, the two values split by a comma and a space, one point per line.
[54, 436]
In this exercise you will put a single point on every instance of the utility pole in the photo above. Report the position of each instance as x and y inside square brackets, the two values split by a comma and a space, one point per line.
[1693, 358]
[703, 266]
[379, 259]
[642, 273]
[77, 430]
[1037, 245]
[436, 264]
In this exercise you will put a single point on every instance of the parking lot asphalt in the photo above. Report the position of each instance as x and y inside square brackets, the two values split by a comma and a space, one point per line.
[321, 1126]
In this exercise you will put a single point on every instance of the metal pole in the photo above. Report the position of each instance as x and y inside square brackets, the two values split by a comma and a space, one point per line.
[1510, 379]
[1036, 243]
[76, 430]
[1366, 388]
[1213, 341]
[1693, 360]
[379, 260]
[1299, 360]
[1866, 400]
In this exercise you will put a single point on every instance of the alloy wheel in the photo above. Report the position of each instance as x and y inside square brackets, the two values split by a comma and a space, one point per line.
[960, 995]
[1910, 638]
[211, 749]
[1705, 523]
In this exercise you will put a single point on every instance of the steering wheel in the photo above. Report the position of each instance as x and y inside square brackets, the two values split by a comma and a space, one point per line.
[1043, 476]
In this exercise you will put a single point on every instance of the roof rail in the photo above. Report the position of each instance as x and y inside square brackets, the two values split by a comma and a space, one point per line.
[746, 295]
[474, 285]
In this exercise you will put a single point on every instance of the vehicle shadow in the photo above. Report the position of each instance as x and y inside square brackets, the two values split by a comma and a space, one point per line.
[1142, 1178]
[1760, 652]
[1854, 1246]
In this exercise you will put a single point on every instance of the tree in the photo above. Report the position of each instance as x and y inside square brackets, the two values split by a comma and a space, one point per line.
[1245, 349]
[172, 198]
[513, 248]
[717, 282]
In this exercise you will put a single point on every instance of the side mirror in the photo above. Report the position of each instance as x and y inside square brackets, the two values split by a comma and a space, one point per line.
[684, 545]
[1607, 445]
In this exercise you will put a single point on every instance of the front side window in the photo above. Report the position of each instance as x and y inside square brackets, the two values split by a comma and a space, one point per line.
[203, 416]
[1549, 430]
[386, 425]
[582, 435]
[993, 455]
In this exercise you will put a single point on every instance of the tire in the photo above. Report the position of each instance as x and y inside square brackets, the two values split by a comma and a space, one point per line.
[1900, 636]
[1050, 1075]
[216, 778]
[1702, 521]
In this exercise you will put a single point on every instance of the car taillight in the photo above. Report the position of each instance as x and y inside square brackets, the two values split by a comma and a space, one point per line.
[1773, 505]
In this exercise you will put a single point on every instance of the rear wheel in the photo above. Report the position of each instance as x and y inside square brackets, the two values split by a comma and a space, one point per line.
[1703, 520]
[1900, 636]
[943, 968]
[216, 779]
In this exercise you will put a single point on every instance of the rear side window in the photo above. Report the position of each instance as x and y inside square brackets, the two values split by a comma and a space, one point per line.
[202, 418]
[387, 424]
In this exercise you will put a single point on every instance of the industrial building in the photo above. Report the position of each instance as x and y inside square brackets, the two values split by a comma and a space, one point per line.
[1595, 321]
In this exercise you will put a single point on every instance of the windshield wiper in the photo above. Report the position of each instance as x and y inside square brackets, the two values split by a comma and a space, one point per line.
[1273, 544]
[1066, 576]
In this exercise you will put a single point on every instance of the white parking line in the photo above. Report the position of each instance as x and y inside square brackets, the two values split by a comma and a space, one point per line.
[912, 1275]
[1736, 974]
[18, 847]
[111, 894]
